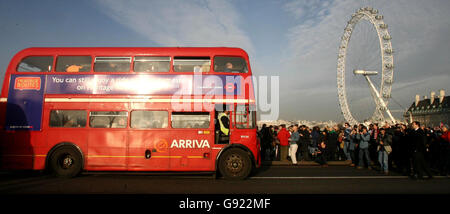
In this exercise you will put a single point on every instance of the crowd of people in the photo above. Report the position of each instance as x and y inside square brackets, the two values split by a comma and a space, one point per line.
[412, 150]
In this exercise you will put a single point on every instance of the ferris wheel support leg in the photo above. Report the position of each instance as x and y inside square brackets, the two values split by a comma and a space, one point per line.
[378, 98]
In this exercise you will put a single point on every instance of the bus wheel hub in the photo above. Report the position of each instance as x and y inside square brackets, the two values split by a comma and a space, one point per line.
[67, 162]
[234, 163]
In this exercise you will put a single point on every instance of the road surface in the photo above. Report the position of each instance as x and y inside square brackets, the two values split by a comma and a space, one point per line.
[278, 184]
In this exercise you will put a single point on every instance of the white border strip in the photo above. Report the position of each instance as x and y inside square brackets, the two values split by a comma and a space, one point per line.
[331, 177]
[141, 100]
[148, 100]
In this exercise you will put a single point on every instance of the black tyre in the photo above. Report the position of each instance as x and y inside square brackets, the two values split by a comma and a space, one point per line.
[65, 162]
[235, 164]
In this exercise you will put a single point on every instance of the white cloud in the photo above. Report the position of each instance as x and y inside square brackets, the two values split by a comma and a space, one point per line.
[311, 9]
[181, 23]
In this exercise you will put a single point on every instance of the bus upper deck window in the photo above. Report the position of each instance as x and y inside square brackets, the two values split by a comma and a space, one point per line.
[230, 64]
[73, 64]
[191, 64]
[36, 64]
[151, 64]
[112, 64]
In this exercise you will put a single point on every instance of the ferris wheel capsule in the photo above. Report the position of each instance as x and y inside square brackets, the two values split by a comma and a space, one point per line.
[387, 37]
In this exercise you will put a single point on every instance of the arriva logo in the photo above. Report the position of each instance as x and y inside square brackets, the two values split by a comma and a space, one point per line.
[190, 144]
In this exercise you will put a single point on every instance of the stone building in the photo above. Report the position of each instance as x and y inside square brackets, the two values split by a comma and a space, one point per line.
[430, 112]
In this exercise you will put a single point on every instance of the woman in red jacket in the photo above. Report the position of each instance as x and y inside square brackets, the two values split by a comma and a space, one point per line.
[283, 137]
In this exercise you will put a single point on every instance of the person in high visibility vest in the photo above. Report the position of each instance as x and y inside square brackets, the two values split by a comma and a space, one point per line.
[224, 121]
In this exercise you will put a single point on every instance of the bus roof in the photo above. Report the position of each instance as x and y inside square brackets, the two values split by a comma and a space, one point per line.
[181, 51]
[121, 51]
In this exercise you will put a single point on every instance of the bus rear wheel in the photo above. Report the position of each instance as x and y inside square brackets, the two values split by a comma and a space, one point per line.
[235, 164]
[65, 162]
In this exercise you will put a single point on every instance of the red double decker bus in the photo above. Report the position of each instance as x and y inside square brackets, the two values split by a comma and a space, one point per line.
[71, 110]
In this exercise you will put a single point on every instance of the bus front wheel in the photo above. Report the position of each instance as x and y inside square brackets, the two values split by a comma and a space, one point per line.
[65, 162]
[235, 164]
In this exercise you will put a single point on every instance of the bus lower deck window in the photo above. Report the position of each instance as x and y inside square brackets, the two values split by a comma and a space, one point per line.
[149, 119]
[190, 120]
[68, 118]
[108, 119]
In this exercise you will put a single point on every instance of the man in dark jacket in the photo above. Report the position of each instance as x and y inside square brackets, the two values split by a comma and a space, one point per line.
[322, 154]
[419, 148]
[403, 151]
[332, 143]
[374, 132]
[266, 143]
[304, 141]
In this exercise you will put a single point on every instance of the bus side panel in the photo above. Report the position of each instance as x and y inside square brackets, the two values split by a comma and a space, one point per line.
[153, 141]
[53, 136]
[2, 115]
[39, 146]
[16, 149]
[21, 123]
[3, 135]
[247, 137]
[23, 150]
[188, 149]
[107, 147]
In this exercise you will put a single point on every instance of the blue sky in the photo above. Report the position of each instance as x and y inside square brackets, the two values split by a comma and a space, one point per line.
[296, 40]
